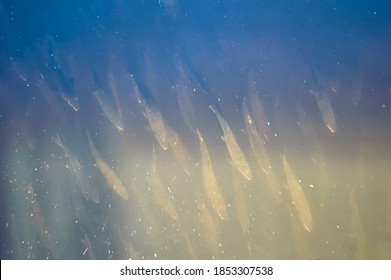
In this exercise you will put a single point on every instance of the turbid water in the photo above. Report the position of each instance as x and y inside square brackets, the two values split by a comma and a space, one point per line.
[109, 148]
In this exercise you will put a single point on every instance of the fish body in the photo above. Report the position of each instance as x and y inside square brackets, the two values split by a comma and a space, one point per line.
[299, 198]
[234, 150]
[260, 119]
[153, 116]
[324, 104]
[160, 195]
[211, 186]
[109, 109]
[180, 151]
[257, 145]
[86, 189]
[182, 91]
[112, 179]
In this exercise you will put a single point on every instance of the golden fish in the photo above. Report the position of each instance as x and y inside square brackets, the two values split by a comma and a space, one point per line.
[234, 150]
[211, 187]
[298, 196]
[112, 179]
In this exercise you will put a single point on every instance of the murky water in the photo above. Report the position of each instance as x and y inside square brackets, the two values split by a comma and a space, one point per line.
[110, 150]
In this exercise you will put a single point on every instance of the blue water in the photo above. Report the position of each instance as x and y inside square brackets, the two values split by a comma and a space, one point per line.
[321, 70]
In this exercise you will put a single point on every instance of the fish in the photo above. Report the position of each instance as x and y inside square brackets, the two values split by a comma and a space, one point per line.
[256, 142]
[72, 101]
[112, 179]
[185, 106]
[180, 151]
[89, 250]
[326, 111]
[45, 234]
[153, 115]
[159, 193]
[261, 121]
[323, 101]
[185, 86]
[189, 247]
[113, 89]
[357, 228]
[299, 199]
[189, 74]
[236, 154]
[211, 186]
[257, 145]
[64, 84]
[240, 202]
[109, 109]
[89, 192]
[357, 89]
[209, 227]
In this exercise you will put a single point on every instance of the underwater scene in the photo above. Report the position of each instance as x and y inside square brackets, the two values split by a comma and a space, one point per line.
[195, 129]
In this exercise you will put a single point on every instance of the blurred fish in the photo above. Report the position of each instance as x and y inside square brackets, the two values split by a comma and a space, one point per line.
[256, 143]
[39, 221]
[234, 150]
[88, 191]
[357, 228]
[112, 179]
[211, 186]
[189, 247]
[299, 198]
[357, 88]
[302, 251]
[185, 85]
[153, 116]
[113, 89]
[323, 102]
[159, 193]
[109, 109]
[129, 250]
[180, 151]
[72, 101]
[327, 111]
[240, 202]
[260, 119]
[185, 105]
[89, 250]
[189, 74]
[209, 227]
[64, 84]
[258, 147]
